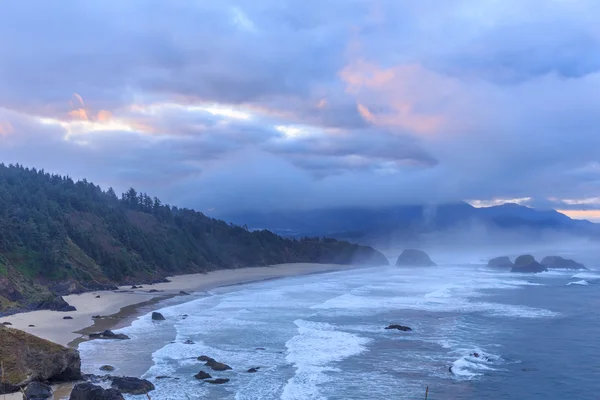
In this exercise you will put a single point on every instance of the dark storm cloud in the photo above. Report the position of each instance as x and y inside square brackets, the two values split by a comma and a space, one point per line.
[287, 103]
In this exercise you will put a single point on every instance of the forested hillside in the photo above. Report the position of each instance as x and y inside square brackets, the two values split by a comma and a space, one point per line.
[58, 235]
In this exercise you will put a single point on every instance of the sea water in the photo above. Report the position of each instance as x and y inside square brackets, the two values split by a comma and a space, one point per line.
[322, 337]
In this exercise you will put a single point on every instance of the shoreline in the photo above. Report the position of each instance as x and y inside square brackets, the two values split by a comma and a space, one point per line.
[120, 307]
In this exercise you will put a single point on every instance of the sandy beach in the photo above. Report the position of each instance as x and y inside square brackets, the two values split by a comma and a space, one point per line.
[126, 302]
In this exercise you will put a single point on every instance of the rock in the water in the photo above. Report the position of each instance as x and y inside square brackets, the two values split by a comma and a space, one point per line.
[253, 370]
[27, 358]
[202, 375]
[399, 327]
[7, 388]
[206, 359]
[132, 385]
[156, 316]
[108, 368]
[219, 381]
[217, 366]
[557, 262]
[163, 377]
[54, 303]
[68, 317]
[37, 391]
[527, 264]
[88, 391]
[500, 262]
[107, 334]
[414, 258]
[189, 342]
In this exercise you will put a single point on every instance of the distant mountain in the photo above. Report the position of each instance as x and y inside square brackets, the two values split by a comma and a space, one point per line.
[410, 223]
[61, 236]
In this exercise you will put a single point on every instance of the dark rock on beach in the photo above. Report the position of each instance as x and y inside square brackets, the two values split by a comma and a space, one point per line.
[399, 327]
[414, 258]
[202, 375]
[132, 385]
[156, 316]
[557, 262]
[31, 326]
[218, 381]
[54, 303]
[68, 317]
[527, 264]
[37, 391]
[88, 391]
[500, 262]
[107, 334]
[6, 323]
[27, 358]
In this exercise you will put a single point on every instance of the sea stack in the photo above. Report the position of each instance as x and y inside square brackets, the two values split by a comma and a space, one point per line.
[500, 262]
[557, 262]
[527, 264]
[414, 258]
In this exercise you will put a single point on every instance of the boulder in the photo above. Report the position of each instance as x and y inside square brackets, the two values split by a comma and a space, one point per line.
[217, 366]
[7, 388]
[31, 326]
[206, 359]
[107, 368]
[156, 316]
[37, 391]
[557, 262]
[253, 370]
[399, 327]
[189, 342]
[132, 385]
[414, 258]
[527, 264]
[202, 375]
[68, 317]
[218, 381]
[107, 334]
[88, 391]
[6, 323]
[500, 262]
[27, 358]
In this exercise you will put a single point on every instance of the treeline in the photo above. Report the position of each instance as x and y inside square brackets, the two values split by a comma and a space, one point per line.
[53, 228]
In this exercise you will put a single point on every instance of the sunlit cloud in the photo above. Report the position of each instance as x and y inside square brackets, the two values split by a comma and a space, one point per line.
[499, 202]
[6, 128]
[585, 201]
[591, 215]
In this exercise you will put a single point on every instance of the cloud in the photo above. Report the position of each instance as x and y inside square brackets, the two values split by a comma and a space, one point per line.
[239, 104]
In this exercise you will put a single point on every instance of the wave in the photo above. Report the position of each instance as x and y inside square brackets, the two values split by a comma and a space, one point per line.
[311, 351]
[474, 363]
[587, 276]
[581, 282]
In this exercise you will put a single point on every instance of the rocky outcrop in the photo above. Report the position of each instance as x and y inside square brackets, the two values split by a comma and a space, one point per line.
[218, 381]
[557, 262]
[88, 391]
[399, 328]
[214, 364]
[27, 358]
[107, 334]
[527, 264]
[7, 388]
[202, 375]
[500, 262]
[156, 316]
[414, 258]
[37, 391]
[132, 385]
[54, 303]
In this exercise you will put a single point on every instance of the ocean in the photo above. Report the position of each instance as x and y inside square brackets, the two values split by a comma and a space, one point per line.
[322, 337]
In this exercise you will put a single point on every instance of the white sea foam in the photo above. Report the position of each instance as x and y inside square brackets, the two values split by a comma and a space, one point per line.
[316, 346]
[586, 275]
[581, 282]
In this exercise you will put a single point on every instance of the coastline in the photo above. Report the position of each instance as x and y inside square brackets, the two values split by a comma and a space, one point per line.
[119, 308]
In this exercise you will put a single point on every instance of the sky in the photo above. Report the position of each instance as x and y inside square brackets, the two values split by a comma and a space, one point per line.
[282, 104]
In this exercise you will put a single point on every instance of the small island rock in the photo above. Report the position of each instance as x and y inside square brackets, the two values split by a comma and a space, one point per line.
[500, 262]
[202, 375]
[527, 264]
[156, 316]
[414, 258]
[557, 262]
[399, 328]
[219, 381]
[132, 385]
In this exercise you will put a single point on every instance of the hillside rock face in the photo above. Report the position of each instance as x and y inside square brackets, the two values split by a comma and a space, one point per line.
[414, 258]
[557, 262]
[500, 262]
[527, 264]
[27, 358]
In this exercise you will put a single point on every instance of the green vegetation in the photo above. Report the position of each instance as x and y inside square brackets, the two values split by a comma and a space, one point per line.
[55, 230]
